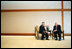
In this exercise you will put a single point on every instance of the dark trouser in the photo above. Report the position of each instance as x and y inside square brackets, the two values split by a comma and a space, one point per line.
[59, 34]
[46, 34]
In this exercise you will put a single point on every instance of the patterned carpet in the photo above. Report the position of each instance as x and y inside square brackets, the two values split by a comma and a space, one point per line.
[32, 42]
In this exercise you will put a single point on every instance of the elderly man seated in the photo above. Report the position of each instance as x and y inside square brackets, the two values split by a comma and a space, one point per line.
[43, 31]
[57, 30]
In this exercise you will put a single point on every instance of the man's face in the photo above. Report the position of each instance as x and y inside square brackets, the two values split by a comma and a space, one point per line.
[56, 24]
[43, 23]
[47, 26]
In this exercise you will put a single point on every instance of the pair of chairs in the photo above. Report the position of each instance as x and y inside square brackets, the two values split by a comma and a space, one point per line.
[39, 35]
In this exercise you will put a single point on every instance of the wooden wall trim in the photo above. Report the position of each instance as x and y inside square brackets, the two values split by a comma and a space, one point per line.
[62, 16]
[22, 34]
[67, 34]
[28, 34]
[23, 10]
[66, 9]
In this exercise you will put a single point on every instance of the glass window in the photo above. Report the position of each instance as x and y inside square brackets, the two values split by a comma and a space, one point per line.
[30, 4]
[67, 4]
[67, 22]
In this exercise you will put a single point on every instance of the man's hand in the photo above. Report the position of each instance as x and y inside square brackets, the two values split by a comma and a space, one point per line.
[45, 31]
[55, 30]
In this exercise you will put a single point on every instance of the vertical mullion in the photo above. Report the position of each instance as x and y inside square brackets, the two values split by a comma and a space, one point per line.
[62, 16]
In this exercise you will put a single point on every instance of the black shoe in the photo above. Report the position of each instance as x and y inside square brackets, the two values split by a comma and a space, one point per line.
[47, 39]
[59, 39]
[56, 39]
[42, 39]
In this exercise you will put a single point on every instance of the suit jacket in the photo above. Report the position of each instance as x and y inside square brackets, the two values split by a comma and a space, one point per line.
[41, 29]
[47, 29]
[58, 28]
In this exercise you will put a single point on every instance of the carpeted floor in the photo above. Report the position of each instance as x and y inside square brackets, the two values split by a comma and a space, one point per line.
[32, 42]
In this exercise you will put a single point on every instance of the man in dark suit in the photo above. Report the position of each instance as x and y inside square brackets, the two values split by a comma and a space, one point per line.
[42, 30]
[57, 30]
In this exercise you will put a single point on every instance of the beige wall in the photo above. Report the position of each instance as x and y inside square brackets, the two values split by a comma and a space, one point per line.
[25, 22]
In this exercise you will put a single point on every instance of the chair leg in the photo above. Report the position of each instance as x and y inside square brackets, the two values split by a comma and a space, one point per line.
[63, 37]
[37, 38]
[52, 36]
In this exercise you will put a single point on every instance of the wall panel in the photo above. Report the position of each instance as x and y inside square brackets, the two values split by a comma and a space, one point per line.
[25, 22]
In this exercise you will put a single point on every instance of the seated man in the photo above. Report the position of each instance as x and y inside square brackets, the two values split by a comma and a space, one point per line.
[48, 29]
[43, 31]
[57, 30]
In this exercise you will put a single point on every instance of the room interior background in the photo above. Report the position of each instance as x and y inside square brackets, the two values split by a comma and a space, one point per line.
[25, 21]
